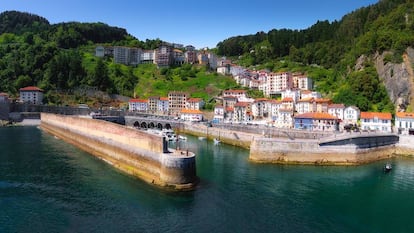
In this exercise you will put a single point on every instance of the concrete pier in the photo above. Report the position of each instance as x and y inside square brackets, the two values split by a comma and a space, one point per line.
[137, 153]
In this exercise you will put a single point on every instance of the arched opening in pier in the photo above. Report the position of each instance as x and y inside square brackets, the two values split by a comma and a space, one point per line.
[151, 125]
[159, 126]
[143, 125]
[168, 126]
[136, 124]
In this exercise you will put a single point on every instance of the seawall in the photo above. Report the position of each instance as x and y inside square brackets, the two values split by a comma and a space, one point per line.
[137, 153]
[350, 150]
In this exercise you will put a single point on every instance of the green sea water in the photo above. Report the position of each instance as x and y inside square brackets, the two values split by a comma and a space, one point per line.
[47, 185]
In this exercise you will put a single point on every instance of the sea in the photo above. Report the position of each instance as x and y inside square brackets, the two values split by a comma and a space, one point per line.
[48, 185]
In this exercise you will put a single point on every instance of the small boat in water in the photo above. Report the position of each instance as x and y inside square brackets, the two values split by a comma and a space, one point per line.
[201, 138]
[387, 167]
[216, 141]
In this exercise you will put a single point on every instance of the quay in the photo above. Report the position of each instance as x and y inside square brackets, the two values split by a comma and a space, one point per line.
[135, 152]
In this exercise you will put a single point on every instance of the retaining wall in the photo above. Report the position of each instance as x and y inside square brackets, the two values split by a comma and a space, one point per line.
[135, 152]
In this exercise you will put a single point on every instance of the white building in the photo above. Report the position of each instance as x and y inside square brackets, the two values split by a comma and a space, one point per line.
[218, 114]
[31, 94]
[337, 110]
[162, 105]
[304, 105]
[289, 93]
[351, 115]
[404, 122]
[140, 105]
[191, 115]
[376, 121]
[310, 94]
[195, 103]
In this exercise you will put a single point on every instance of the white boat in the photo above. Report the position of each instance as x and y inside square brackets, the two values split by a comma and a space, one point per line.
[387, 167]
[216, 141]
[201, 138]
[182, 138]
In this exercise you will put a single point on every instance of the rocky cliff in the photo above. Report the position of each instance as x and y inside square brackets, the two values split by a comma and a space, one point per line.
[398, 79]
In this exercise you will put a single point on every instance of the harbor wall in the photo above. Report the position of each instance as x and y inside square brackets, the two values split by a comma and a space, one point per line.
[235, 138]
[137, 153]
[353, 151]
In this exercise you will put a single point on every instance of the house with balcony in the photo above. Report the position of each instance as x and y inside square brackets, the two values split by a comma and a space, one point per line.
[260, 108]
[242, 112]
[31, 95]
[316, 121]
[138, 105]
[404, 123]
[284, 118]
[218, 114]
[376, 121]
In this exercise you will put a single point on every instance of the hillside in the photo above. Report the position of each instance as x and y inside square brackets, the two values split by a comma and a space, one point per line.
[335, 48]
[59, 58]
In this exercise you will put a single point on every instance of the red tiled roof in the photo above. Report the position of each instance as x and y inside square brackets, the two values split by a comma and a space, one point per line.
[287, 99]
[30, 88]
[323, 100]
[336, 106]
[194, 100]
[4, 94]
[379, 115]
[164, 98]
[317, 115]
[405, 115]
[138, 101]
[229, 109]
[241, 104]
[191, 111]
[309, 99]
[236, 91]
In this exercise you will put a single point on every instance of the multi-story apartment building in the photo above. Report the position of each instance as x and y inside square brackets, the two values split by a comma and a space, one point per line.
[302, 82]
[162, 105]
[178, 57]
[148, 57]
[127, 55]
[139, 105]
[31, 95]
[260, 108]
[242, 112]
[190, 55]
[176, 101]
[164, 56]
[304, 105]
[277, 82]
[153, 104]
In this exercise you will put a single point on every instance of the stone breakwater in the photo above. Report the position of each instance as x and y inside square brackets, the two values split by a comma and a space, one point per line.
[344, 150]
[137, 153]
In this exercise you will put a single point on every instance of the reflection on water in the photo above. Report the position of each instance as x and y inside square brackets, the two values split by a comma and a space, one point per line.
[47, 185]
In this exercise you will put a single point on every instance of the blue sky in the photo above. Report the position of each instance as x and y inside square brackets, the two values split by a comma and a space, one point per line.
[199, 23]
